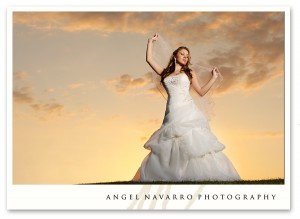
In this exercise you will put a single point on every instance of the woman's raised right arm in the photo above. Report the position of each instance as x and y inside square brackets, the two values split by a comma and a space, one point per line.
[149, 56]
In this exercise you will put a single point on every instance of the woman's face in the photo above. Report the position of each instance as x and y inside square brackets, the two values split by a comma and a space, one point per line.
[182, 56]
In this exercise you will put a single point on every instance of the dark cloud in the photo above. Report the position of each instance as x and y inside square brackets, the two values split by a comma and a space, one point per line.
[259, 54]
[252, 50]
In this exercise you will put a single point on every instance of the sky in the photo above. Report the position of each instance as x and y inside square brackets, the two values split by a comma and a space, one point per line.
[84, 103]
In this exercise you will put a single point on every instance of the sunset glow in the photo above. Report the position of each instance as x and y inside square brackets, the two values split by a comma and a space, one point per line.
[84, 103]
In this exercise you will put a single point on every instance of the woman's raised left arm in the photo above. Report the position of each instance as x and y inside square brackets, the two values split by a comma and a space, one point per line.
[205, 88]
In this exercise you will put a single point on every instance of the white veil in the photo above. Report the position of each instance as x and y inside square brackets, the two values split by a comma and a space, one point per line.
[162, 52]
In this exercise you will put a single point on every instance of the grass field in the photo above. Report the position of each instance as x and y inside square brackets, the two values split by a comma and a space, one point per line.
[255, 182]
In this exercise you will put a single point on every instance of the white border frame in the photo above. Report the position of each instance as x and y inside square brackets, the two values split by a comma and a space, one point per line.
[94, 196]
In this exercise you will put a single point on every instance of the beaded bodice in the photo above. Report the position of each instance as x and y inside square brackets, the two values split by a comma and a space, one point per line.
[177, 87]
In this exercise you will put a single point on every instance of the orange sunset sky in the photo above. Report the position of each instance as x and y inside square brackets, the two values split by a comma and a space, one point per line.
[84, 103]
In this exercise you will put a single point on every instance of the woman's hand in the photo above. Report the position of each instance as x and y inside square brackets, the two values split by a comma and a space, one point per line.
[215, 72]
[154, 38]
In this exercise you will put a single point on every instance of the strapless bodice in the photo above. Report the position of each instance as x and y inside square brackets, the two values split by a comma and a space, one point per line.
[177, 87]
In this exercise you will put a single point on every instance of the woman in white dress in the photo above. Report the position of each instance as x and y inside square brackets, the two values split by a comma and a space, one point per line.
[184, 148]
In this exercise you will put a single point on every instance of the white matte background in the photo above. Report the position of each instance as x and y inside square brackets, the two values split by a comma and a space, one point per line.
[295, 120]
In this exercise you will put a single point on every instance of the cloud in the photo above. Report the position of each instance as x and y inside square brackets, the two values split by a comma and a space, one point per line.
[126, 82]
[172, 23]
[197, 27]
[21, 96]
[251, 66]
[43, 111]
[252, 51]
[259, 52]
[48, 111]
[78, 21]
[247, 46]
[20, 75]
[231, 78]
[49, 108]
[259, 77]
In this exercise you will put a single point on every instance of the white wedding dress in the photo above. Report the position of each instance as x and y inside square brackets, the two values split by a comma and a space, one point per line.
[184, 148]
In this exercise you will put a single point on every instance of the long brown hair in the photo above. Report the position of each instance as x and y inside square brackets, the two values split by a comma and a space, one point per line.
[171, 66]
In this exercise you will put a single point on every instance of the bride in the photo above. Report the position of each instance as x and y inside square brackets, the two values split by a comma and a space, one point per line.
[184, 148]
